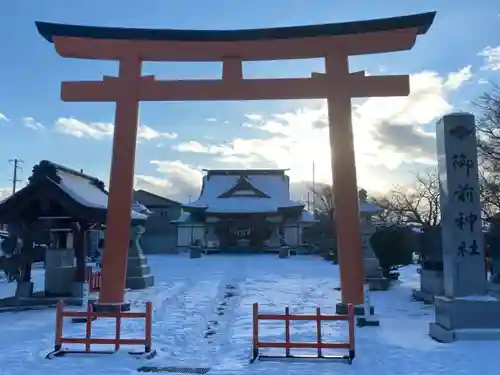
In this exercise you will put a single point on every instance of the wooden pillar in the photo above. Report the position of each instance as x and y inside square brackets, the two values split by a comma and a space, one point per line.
[121, 183]
[344, 179]
[27, 251]
[79, 230]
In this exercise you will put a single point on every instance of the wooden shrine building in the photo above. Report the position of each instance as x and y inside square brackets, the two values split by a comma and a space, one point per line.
[56, 208]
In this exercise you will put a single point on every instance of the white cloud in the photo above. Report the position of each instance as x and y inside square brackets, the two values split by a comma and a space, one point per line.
[179, 169]
[146, 133]
[76, 128]
[253, 117]
[4, 193]
[388, 133]
[456, 79]
[179, 181]
[491, 58]
[101, 130]
[3, 117]
[197, 147]
[31, 123]
[211, 119]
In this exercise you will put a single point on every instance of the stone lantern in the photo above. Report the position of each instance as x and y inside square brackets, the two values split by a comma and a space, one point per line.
[373, 272]
[138, 271]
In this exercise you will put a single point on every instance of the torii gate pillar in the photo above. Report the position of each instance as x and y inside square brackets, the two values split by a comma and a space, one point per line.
[345, 189]
[121, 181]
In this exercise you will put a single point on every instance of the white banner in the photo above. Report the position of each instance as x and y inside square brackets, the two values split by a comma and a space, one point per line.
[85, 296]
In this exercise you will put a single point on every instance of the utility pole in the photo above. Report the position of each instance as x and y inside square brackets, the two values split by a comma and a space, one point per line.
[16, 166]
[314, 190]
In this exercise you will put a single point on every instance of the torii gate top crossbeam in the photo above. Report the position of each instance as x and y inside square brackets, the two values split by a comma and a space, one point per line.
[359, 37]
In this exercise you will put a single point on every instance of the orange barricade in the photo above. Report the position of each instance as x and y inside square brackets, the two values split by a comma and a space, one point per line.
[94, 280]
[319, 345]
[90, 315]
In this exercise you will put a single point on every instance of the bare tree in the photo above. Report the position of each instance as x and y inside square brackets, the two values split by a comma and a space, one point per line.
[417, 203]
[488, 129]
[323, 198]
[414, 204]
[489, 185]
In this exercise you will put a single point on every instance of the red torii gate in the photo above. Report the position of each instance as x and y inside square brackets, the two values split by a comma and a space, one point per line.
[333, 42]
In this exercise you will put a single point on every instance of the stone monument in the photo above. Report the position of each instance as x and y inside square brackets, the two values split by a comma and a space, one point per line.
[60, 271]
[92, 244]
[138, 272]
[284, 252]
[60, 267]
[465, 311]
[373, 272]
[431, 271]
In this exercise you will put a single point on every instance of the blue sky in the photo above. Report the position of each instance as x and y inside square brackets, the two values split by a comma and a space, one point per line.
[178, 139]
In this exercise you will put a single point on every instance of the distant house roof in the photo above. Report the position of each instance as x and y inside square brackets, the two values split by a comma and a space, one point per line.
[81, 195]
[151, 200]
[244, 191]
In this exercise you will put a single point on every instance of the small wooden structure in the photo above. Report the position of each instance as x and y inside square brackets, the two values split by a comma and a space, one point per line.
[57, 207]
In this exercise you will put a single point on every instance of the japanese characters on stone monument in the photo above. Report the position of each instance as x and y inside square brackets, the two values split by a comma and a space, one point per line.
[463, 252]
[466, 311]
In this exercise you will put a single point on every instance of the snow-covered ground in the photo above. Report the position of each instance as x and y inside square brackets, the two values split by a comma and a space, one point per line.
[193, 328]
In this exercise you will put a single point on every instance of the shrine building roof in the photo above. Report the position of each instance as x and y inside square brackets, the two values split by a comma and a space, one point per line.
[82, 195]
[245, 191]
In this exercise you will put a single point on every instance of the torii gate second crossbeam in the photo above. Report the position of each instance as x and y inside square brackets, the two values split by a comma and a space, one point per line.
[333, 42]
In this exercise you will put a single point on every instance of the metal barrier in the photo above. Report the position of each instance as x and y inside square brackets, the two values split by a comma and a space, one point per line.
[89, 316]
[319, 345]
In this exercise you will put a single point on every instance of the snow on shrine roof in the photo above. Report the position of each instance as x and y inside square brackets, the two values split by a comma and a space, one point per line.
[87, 190]
[185, 216]
[140, 208]
[274, 184]
[306, 217]
[421, 22]
[369, 208]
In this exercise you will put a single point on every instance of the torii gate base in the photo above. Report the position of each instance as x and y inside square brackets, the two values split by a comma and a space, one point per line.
[332, 42]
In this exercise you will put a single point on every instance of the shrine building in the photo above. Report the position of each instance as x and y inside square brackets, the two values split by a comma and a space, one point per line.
[243, 210]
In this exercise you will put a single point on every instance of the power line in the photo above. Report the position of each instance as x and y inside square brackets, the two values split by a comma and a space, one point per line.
[16, 167]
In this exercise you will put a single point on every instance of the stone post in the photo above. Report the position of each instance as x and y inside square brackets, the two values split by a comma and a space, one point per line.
[60, 272]
[431, 272]
[138, 272]
[92, 244]
[465, 312]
